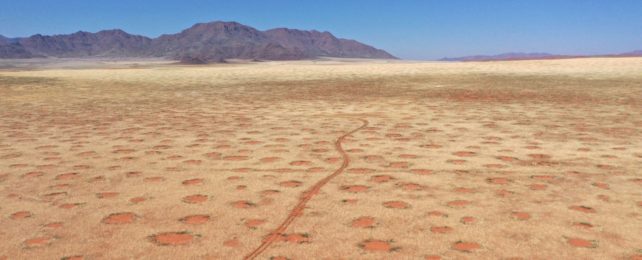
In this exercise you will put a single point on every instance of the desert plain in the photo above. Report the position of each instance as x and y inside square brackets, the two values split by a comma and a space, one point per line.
[329, 159]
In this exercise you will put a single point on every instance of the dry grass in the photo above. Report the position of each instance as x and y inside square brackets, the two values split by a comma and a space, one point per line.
[530, 159]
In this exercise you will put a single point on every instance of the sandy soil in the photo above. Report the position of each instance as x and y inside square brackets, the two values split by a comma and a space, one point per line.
[323, 160]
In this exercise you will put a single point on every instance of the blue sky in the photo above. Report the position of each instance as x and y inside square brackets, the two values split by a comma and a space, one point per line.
[421, 29]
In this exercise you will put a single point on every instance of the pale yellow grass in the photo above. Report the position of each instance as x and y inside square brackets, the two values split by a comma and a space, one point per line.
[544, 156]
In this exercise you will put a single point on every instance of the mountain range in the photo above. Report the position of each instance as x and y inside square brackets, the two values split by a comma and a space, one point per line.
[201, 43]
[535, 56]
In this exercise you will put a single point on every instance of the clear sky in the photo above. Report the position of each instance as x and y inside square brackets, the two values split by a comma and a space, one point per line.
[411, 29]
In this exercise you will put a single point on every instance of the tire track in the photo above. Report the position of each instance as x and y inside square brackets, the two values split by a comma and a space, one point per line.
[306, 196]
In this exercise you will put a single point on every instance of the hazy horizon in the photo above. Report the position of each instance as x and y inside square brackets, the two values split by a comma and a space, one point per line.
[407, 29]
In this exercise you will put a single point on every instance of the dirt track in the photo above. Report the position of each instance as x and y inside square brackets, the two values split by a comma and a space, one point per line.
[532, 160]
[307, 196]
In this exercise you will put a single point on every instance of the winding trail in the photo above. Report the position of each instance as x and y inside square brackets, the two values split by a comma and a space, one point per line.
[306, 196]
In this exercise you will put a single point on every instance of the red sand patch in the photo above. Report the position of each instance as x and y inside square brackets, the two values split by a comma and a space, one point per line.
[195, 219]
[463, 190]
[234, 178]
[498, 180]
[436, 213]
[172, 238]
[441, 229]
[87, 154]
[468, 220]
[410, 186]
[431, 146]
[120, 218]
[421, 171]
[67, 176]
[232, 243]
[300, 163]
[254, 223]
[605, 166]
[432, 257]
[269, 192]
[243, 204]
[74, 257]
[601, 185]
[381, 178]
[350, 201]
[137, 200]
[69, 205]
[466, 246]
[354, 188]
[291, 184]
[464, 154]
[503, 193]
[333, 160]
[363, 222]
[374, 245]
[37, 241]
[521, 215]
[192, 182]
[194, 199]
[213, 155]
[133, 174]
[396, 204]
[193, 162]
[578, 242]
[106, 195]
[584, 209]
[33, 174]
[61, 186]
[20, 215]
[543, 177]
[54, 225]
[269, 159]
[583, 225]
[399, 165]
[507, 158]
[458, 203]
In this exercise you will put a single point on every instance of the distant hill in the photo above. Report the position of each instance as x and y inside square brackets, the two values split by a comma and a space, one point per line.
[315, 44]
[218, 41]
[201, 43]
[535, 56]
[637, 53]
[10, 49]
[508, 56]
[107, 43]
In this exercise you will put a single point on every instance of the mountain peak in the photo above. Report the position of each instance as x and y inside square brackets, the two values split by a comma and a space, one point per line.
[219, 25]
[506, 56]
[113, 31]
[203, 42]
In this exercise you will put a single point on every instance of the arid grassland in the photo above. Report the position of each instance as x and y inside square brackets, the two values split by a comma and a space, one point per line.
[323, 160]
